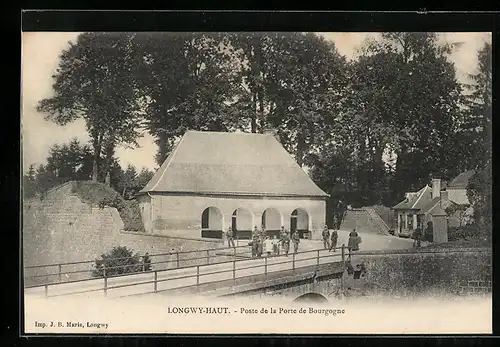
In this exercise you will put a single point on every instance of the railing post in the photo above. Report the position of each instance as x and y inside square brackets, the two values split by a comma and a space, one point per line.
[234, 270]
[317, 262]
[198, 275]
[343, 253]
[293, 261]
[177, 258]
[46, 290]
[156, 281]
[60, 266]
[105, 280]
[208, 256]
[265, 266]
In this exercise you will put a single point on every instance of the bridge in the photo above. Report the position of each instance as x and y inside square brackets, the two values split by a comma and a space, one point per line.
[175, 274]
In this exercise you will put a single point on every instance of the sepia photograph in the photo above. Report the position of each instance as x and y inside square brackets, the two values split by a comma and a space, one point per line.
[256, 182]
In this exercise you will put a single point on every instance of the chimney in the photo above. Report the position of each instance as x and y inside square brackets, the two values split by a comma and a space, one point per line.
[436, 188]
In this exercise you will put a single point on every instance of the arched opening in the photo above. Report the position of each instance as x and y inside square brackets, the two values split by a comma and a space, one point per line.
[311, 297]
[271, 222]
[299, 220]
[211, 223]
[241, 223]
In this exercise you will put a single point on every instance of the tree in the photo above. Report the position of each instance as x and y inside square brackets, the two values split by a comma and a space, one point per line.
[120, 261]
[94, 81]
[289, 82]
[144, 177]
[129, 181]
[185, 82]
[71, 161]
[417, 121]
[29, 185]
[479, 190]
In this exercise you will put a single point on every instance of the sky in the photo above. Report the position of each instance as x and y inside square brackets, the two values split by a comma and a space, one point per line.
[40, 57]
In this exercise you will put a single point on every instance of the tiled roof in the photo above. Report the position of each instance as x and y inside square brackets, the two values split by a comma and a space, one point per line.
[232, 163]
[416, 201]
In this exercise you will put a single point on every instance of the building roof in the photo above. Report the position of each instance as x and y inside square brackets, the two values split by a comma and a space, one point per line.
[462, 180]
[232, 164]
[415, 201]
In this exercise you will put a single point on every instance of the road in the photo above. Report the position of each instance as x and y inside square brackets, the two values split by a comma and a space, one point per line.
[175, 278]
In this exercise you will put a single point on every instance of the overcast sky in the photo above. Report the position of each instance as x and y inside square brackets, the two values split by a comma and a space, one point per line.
[40, 57]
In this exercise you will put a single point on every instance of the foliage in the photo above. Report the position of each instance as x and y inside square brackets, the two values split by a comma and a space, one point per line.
[462, 212]
[340, 119]
[73, 162]
[120, 260]
[94, 81]
[479, 193]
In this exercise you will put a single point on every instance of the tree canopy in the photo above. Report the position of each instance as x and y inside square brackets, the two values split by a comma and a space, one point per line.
[368, 130]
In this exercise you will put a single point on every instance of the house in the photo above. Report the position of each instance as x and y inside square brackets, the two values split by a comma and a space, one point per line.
[430, 203]
[213, 180]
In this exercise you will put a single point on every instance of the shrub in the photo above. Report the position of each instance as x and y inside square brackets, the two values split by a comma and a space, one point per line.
[121, 260]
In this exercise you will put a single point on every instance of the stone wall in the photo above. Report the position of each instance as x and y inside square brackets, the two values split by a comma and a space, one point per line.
[183, 213]
[443, 271]
[61, 229]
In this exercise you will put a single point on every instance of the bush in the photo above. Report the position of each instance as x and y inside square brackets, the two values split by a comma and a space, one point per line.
[121, 260]
[468, 232]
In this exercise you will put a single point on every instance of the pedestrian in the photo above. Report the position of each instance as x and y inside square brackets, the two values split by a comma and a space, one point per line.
[268, 246]
[335, 222]
[230, 239]
[354, 241]
[260, 244]
[417, 237]
[326, 237]
[334, 238]
[285, 241]
[429, 232]
[255, 242]
[276, 245]
[296, 241]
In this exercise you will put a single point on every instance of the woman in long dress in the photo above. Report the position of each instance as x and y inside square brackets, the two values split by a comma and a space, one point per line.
[354, 241]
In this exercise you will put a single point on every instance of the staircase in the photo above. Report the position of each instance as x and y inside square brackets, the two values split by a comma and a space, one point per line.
[364, 220]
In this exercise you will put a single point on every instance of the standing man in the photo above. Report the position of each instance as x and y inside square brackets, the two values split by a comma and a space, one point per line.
[295, 240]
[255, 242]
[326, 237]
[335, 237]
[285, 241]
[230, 239]
[417, 237]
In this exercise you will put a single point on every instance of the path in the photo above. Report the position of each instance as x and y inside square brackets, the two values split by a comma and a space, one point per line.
[219, 272]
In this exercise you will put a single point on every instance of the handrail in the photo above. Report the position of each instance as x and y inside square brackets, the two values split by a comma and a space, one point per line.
[149, 255]
[266, 265]
[294, 260]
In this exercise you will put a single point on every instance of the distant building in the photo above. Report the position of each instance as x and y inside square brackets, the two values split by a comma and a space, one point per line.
[214, 180]
[431, 201]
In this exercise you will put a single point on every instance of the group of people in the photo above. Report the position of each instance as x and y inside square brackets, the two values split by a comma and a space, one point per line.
[418, 235]
[263, 244]
[330, 240]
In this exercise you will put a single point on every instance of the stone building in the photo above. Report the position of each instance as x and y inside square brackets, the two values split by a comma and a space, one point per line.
[429, 205]
[214, 180]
